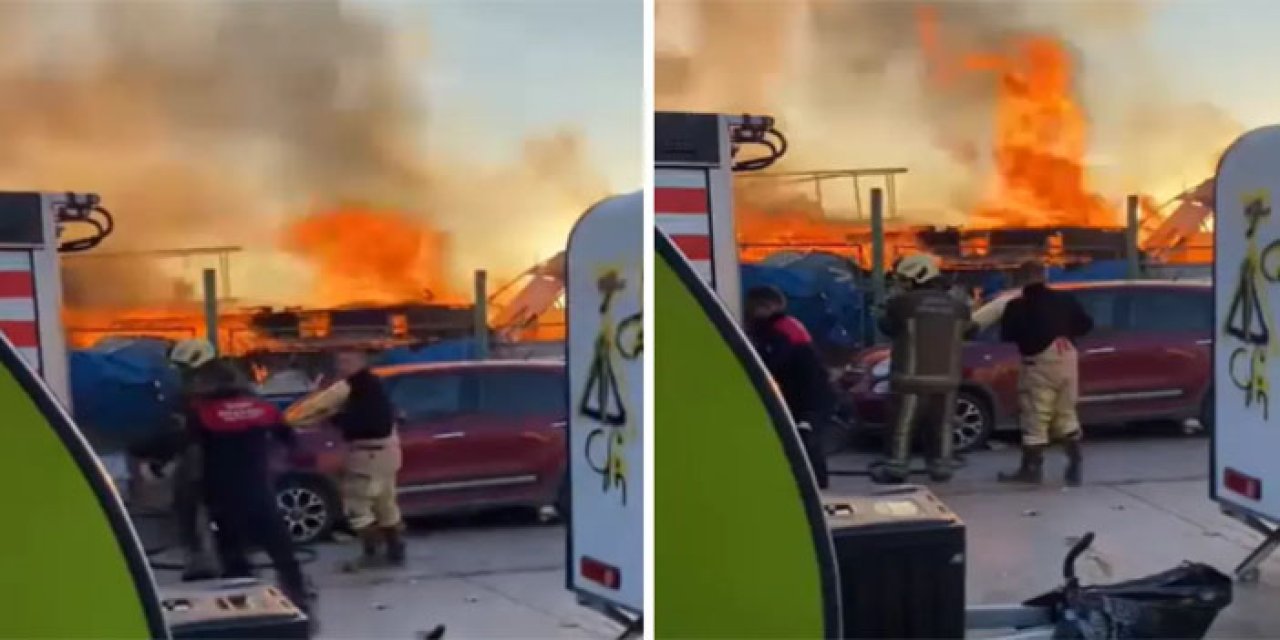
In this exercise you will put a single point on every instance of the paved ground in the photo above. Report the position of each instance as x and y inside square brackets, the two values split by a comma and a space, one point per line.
[495, 577]
[483, 580]
[1145, 497]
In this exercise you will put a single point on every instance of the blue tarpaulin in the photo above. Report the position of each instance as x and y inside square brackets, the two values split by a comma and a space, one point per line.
[824, 292]
[122, 390]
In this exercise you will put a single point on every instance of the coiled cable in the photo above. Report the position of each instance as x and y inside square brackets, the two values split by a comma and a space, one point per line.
[758, 131]
[84, 211]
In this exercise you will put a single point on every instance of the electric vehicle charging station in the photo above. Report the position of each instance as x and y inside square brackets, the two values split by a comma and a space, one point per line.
[31, 224]
[74, 565]
[1245, 473]
[605, 299]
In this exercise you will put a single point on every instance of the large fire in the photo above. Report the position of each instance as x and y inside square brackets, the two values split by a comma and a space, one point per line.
[370, 256]
[1040, 132]
[1036, 176]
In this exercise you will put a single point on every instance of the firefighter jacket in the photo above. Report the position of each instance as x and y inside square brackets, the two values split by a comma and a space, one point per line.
[927, 327]
[787, 350]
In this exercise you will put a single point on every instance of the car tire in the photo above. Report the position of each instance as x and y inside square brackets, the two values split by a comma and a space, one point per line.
[310, 507]
[971, 422]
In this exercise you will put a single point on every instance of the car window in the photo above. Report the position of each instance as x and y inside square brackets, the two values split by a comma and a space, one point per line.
[1169, 311]
[1101, 305]
[424, 396]
[523, 393]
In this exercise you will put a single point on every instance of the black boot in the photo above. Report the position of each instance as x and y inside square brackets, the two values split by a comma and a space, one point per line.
[940, 470]
[1075, 463]
[889, 472]
[370, 539]
[395, 545]
[1031, 471]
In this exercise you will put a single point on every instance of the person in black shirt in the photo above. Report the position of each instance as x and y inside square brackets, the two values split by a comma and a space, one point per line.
[1044, 323]
[359, 407]
[787, 350]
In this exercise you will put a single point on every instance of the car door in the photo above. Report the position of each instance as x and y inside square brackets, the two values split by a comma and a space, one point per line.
[1167, 352]
[1100, 354]
[522, 414]
[436, 411]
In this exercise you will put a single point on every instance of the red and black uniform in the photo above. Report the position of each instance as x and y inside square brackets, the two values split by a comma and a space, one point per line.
[235, 430]
[787, 350]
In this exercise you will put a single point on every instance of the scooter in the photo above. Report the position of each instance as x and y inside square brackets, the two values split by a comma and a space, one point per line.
[1182, 602]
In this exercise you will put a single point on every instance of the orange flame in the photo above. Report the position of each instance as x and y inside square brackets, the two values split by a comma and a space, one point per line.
[370, 256]
[1040, 131]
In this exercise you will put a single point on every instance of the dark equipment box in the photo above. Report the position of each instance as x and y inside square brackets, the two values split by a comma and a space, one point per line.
[900, 554]
[232, 609]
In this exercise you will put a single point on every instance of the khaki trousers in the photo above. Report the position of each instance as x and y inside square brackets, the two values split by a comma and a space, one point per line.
[1048, 389]
[369, 483]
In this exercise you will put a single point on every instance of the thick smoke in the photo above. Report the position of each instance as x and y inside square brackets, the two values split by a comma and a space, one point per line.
[855, 84]
[214, 123]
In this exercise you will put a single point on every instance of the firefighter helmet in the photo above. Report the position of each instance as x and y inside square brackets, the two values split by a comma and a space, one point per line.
[917, 268]
[192, 353]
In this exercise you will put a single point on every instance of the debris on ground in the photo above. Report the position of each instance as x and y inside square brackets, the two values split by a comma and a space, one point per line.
[434, 634]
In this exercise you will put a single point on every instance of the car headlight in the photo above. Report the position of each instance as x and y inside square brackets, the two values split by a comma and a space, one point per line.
[881, 369]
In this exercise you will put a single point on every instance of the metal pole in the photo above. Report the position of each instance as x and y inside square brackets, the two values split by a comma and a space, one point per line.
[857, 198]
[224, 265]
[877, 245]
[481, 319]
[211, 307]
[1131, 238]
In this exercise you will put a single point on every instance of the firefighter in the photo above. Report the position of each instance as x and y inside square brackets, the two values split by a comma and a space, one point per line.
[358, 405]
[1044, 324]
[193, 518]
[787, 351]
[235, 430]
[927, 325]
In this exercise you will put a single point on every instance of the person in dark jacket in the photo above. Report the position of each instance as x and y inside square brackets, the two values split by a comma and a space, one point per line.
[927, 324]
[787, 350]
[1044, 324]
[236, 432]
[359, 407]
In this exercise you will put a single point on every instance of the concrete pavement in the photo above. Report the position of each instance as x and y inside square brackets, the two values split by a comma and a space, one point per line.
[1145, 497]
[492, 577]
[1147, 500]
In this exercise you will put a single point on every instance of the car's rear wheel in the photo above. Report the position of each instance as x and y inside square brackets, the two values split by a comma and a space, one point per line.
[310, 507]
[972, 421]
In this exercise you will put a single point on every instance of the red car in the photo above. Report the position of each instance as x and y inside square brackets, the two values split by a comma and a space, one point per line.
[1148, 358]
[475, 435]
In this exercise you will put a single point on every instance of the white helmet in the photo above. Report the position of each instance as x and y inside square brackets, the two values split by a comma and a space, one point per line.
[192, 353]
[917, 268]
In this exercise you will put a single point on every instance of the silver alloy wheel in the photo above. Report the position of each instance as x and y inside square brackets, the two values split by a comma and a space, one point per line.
[968, 425]
[304, 512]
